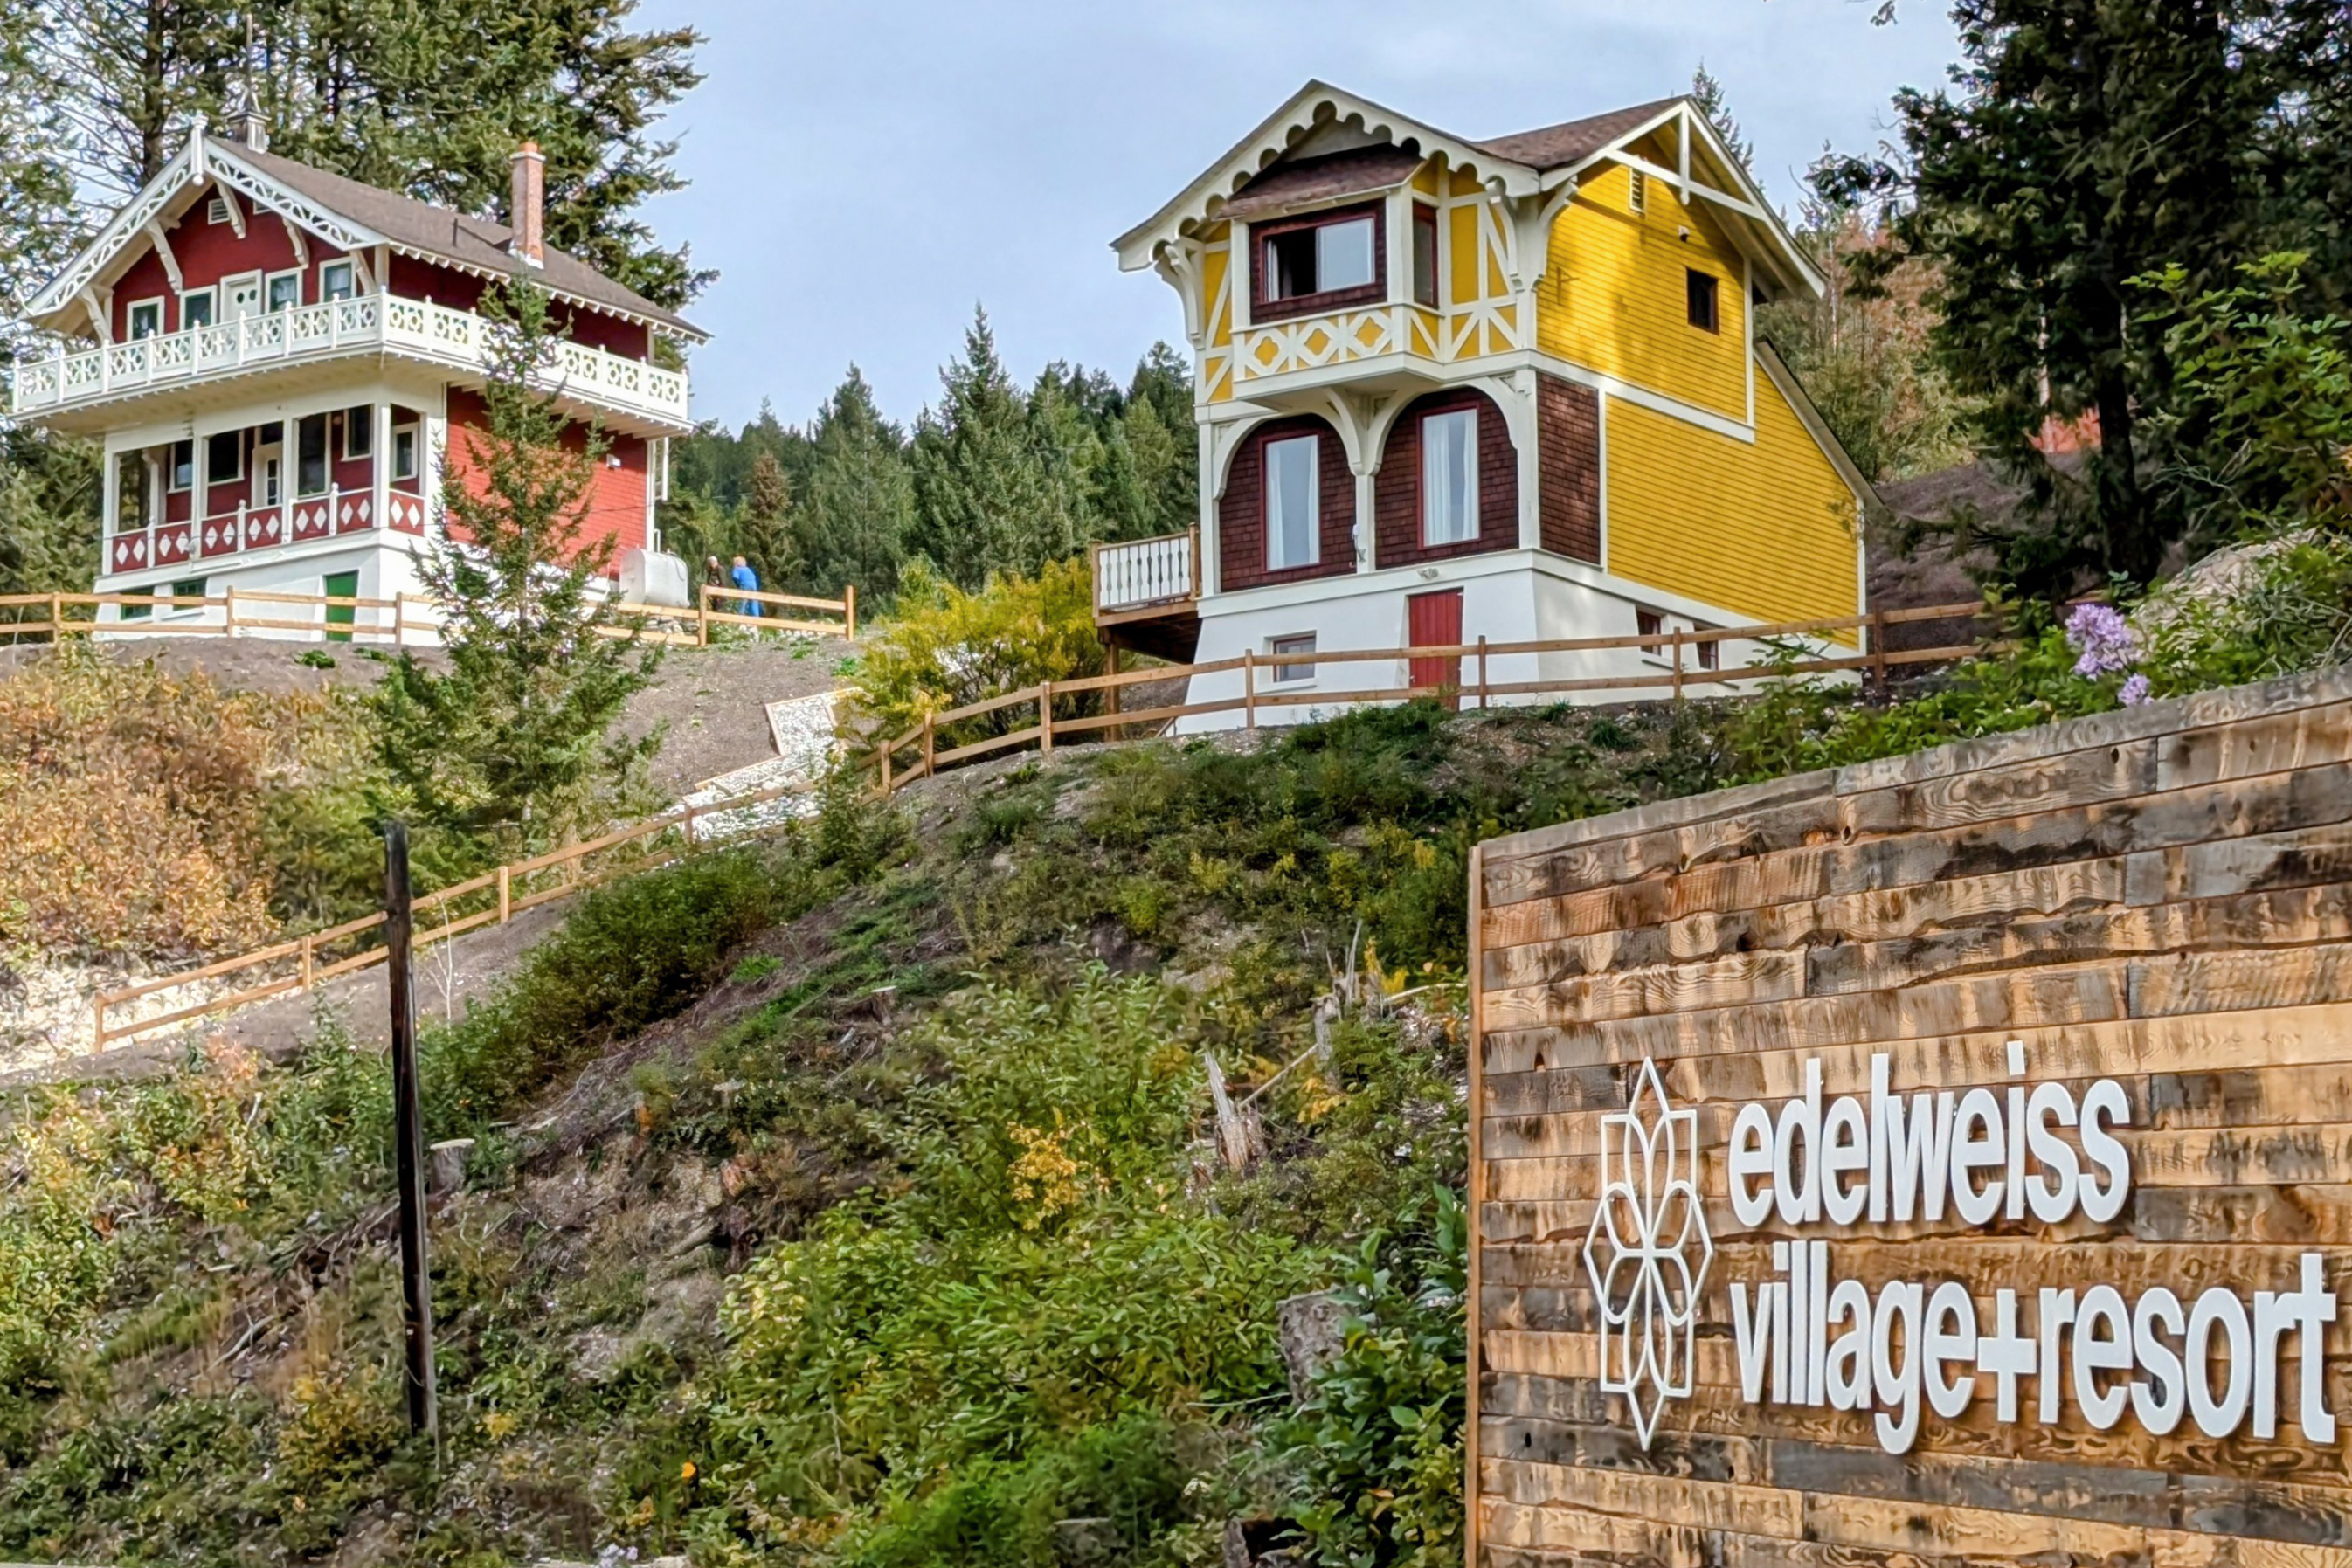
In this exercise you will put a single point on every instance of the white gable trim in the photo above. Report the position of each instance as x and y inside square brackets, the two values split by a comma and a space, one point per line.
[1316, 103]
[196, 167]
[1749, 202]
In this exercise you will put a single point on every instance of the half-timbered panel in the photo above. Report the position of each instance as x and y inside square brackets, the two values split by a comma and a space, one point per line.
[1941, 1157]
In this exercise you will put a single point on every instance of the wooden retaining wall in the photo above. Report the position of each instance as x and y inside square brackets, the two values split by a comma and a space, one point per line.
[2160, 898]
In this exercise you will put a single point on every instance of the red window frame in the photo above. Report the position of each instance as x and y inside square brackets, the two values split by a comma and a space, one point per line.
[1261, 308]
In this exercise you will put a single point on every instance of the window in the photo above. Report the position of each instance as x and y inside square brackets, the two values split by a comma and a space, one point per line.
[285, 290]
[335, 281]
[1425, 255]
[311, 455]
[180, 471]
[1637, 191]
[1291, 480]
[189, 587]
[1290, 675]
[404, 452]
[1449, 476]
[196, 309]
[223, 456]
[136, 611]
[146, 318]
[1710, 652]
[1699, 290]
[1317, 263]
[1649, 623]
[358, 431]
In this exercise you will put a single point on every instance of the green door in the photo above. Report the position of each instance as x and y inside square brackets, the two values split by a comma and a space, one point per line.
[340, 585]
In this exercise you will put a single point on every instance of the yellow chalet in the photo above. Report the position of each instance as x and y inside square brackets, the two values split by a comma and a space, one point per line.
[1507, 388]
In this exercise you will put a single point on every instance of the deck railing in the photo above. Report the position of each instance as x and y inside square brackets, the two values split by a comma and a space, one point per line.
[399, 620]
[1137, 573]
[367, 323]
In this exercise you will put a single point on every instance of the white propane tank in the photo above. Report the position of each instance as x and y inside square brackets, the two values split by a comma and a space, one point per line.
[650, 577]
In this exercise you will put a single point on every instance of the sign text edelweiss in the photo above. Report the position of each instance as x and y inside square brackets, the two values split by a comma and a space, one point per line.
[1808, 1337]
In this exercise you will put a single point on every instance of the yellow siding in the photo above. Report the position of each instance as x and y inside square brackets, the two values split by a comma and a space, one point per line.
[1765, 530]
[1615, 296]
[1214, 300]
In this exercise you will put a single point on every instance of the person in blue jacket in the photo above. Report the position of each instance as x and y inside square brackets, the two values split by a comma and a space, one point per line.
[744, 577]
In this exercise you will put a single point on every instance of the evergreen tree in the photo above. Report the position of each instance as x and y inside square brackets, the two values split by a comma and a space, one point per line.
[2085, 143]
[1707, 94]
[991, 483]
[764, 531]
[854, 526]
[48, 484]
[512, 741]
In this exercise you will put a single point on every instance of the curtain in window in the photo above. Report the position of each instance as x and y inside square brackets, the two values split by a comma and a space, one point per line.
[1290, 502]
[1449, 477]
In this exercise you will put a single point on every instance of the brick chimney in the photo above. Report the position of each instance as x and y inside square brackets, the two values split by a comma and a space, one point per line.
[527, 206]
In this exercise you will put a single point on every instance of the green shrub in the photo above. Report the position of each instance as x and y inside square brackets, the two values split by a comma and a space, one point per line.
[1375, 1454]
[943, 648]
[926, 1372]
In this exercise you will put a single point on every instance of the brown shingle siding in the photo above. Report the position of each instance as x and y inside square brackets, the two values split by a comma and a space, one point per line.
[1567, 468]
[1241, 510]
[1396, 505]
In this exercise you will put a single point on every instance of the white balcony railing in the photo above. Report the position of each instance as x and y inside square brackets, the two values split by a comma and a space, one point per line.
[374, 323]
[1140, 573]
[333, 514]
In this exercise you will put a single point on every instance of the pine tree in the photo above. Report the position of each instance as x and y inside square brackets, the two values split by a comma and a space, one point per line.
[48, 484]
[2085, 143]
[764, 531]
[1708, 94]
[986, 502]
[860, 511]
[513, 739]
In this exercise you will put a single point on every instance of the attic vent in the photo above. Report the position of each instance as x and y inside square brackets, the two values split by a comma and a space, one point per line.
[217, 212]
[1638, 192]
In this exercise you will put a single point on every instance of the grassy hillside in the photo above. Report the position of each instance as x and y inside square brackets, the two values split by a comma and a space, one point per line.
[760, 1258]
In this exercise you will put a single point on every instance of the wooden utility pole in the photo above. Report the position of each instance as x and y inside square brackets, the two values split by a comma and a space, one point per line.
[408, 1133]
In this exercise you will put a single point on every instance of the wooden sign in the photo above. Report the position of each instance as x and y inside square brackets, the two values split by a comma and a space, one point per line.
[1943, 1156]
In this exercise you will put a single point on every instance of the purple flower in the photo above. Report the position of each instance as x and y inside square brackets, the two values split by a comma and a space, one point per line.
[2134, 692]
[2104, 640]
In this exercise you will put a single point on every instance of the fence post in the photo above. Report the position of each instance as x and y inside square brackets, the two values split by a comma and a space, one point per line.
[1482, 672]
[1110, 693]
[1878, 658]
[228, 614]
[56, 618]
[689, 828]
[928, 767]
[1678, 667]
[307, 960]
[885, 753]
[98, 1022]
[1249, 688]
[1045, 717]
[506, 896]
[399, 630]
[849, 611]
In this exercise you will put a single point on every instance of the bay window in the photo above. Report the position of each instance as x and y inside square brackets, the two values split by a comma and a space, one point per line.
[1291, 483]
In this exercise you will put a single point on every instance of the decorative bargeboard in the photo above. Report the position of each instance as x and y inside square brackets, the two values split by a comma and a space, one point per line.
[1945, 1156]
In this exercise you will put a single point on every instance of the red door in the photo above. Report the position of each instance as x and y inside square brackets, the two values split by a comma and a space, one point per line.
[1434, 621]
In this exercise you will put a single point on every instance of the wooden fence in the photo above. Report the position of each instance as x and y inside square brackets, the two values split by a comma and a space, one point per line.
[1876, 662]
[399, 621]
[493, 898]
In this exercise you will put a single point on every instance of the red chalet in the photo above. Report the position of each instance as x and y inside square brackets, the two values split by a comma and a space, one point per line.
[282, 363]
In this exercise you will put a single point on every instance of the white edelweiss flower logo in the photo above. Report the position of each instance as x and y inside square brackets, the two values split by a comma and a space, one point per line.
[1648, 1251]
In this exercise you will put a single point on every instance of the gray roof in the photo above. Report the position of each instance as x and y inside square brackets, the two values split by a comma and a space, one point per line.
[476, 244]
[1300, 179]
[1571, 141]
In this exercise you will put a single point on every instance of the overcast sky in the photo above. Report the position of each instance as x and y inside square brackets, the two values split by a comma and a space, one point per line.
[865, 170]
